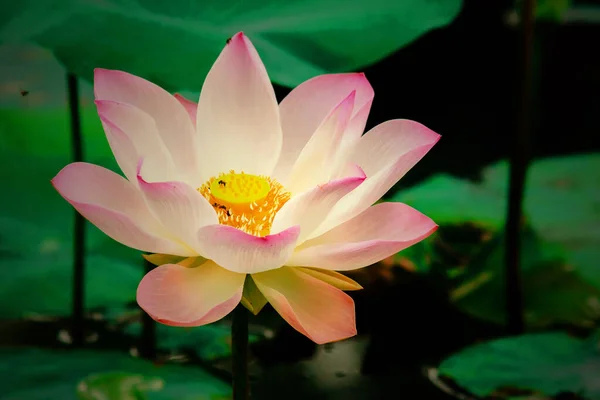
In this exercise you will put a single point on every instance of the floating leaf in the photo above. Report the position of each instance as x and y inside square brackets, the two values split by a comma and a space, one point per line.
[547, 363]
[553, 292]
[449, 200]
[117, 385]
[561, 205]
[211, 341]
[55, 374]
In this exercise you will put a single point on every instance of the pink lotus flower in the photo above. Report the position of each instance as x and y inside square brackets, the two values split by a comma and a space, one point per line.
[246, 200]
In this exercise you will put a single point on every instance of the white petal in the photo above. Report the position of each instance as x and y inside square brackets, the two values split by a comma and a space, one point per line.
[172, 121]
[386, 153]
[179, 207]
[305, 108]
[316, 163]
[238, 117]
[123, 124]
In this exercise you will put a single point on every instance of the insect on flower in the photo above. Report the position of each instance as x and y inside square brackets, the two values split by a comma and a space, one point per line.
[241, 199]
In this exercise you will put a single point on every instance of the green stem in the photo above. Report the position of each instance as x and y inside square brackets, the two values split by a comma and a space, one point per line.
[239, 353]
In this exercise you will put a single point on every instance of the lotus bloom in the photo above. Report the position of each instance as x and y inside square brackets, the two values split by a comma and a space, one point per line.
[242, 199]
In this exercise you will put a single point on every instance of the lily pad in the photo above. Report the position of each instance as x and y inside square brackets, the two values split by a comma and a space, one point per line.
[297, 39]
[553, 291]
[65, 375]
[547, 364]
[562, 206]
[211, 342]
[449, 200]
[560, 202]
[560, 249]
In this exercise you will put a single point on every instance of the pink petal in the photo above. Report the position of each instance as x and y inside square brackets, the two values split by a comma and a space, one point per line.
[180, 296]
[386, 153]
[172, 121]
[179, 207]
[123, 149]
[309, 209]
[379, 232]
[314, 308]
[132, 134]
[115, 206]
[386, 143]
[351, 136]
[305, 108]
[238, 117]
[357, 124]
[349, 169]
[316, 163]
[240, 252]
[189, 106]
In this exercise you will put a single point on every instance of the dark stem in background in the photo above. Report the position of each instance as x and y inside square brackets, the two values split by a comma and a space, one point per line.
[239, 353]
[518, 172]
[77, 331]
[148, 338]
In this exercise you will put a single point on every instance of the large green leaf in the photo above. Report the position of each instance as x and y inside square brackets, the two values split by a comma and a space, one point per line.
[548, 364]
[560, 249]
[561, 204]
[175, 43]
[553, 292]
[66, 375]
[449, 200]
[45, 132]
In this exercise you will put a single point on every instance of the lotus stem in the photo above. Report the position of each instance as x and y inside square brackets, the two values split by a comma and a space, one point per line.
[239, 353]
[78, 318]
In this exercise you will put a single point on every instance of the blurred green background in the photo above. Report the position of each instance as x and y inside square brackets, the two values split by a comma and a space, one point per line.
[431, 319]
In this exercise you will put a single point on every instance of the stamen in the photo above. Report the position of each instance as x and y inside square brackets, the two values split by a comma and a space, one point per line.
[245, 201]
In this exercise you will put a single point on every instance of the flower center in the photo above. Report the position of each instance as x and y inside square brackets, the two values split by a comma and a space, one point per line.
[245, 201]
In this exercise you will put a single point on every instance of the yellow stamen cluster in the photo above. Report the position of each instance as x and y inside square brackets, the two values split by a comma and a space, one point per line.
[245, 201]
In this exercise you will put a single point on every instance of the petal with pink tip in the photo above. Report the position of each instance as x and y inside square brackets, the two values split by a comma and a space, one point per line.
[134, 135]
[357, 124]
[349, 169]
[189, 106]
[238, 117]
[309, 209]
[316, 162]
[180, 296]
[386, 153]
[314, 308]
[116, 207]
[305, 108]
[172, 121]
[240, 252]
[379, 232]
[179, 207]
[351, 136]
[123, 149]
